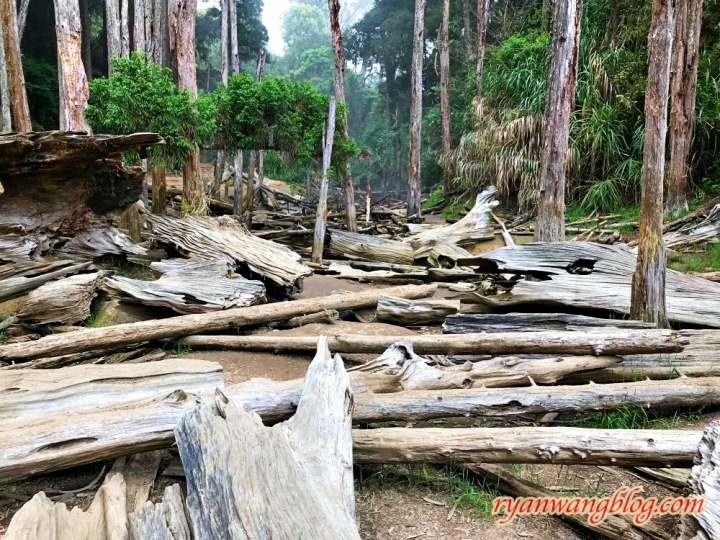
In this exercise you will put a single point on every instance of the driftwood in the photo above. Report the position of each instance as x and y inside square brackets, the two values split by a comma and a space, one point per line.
[166, 520]
[440, 254]
[593, 276]
[615, 527]
[129, 334]
[369, 248]
[710, 276]
[191, 287]
[673, 477]
[596, 343]
[292, 480]
[113, 356]
[322, 317]
[64, 301]
[415, 312]
[531, 322]
[101, 241]
[692, 234]
[343, 270]
[17, 286]
[704, 482]
[209, 239]
[559, 446]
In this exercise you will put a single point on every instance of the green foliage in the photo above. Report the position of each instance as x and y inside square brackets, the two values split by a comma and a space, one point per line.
[704, 258]
[3, 337]
[41, 84]
[141, 96]
[637, 418]
[100, 320]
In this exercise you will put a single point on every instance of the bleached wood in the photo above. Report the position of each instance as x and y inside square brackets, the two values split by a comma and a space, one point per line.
[293, 480]
[531, 322]
[674, 477]
[64, 301]
[191, 287]
[704, 482]
[364, 247]
[609, 342]
[139, 472]
[415, 312]
[166, 520]
[128, 334]
[14, 287]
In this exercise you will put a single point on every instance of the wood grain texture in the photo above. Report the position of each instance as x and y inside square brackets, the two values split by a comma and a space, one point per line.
[292, 480]
[415, 312]
[165, 520]
[704, 482]
[531, 322]
[66, 301]
[364, 247]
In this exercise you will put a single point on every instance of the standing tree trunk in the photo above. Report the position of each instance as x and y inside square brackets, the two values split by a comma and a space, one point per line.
[414, 186]
[559, 103]
[259, 72]
[71, 74]
[159, 190]
[224, 40]
[5, 116]
[321, 214]
[337, 44]
[445, 98]
[13, 63]
[139, 30]
[22, 17]
[125, 29]
[483, 12]
[86, 39]
[156, 32]
[249, 202]
[181, 23]
[647, 301]
[234, 55]
[686, 51]
[238, 195]
[467, 29]
[112, 21]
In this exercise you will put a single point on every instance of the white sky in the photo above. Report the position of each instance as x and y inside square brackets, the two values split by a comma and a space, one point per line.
[272, 18]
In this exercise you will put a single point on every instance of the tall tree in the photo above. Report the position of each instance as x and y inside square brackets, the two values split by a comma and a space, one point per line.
[124, 28]
[181, 27]
[13, 62]
[414, 185]
[337, 44]
[71, 74]
[483, 13]
[467, 30]
[234, 52]
[22, 17]
[445, 98]
[559, 103]
[238, 202]
[224, 43]
[647, 301]
[157, 37]
[139, 19]
[113, 35]
[5, 116]
[321, 213]
[684, 73]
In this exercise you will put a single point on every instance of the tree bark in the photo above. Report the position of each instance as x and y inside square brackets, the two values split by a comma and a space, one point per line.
[445, 98]
[647, 301]
[559, 104]
[414, 178]
[22, 17]
[238, 188]
[13, 62]
[66, 301]
[5, 115]
[157, 31]
[232, 18]
[593, 343]
[703, 483]
[684, 70]
[220, 166]
[321, 214]
[224, 40]
[415, 312]
[159, 191]
[102, 338]
[483, 13]
[86, 47]
[467, 29]
[139, 20]
[71, 74]
[114, 38]
[125, 28]
[249, 202]
[181, 27]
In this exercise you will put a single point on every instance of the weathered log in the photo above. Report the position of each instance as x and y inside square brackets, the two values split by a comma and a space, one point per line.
[322, 317]
[128, 334]
[441, 254]
[710, 276]
[693, 234]
[14, 287]
[191, 287]
[110, 356]
[369, 248]
[342, 270]
[704, 482]
[559, 446]
[64, 301]
[415, 312]
[206, 238]
[592, 343]
[531, 322]
[593, 276]
[31, 393]
[672, 477]
[292, 480]
[166, 520]
[615, 527]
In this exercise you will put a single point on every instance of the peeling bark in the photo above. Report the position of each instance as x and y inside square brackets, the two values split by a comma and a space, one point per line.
[414, 179]
[5, 116]
[321, 214]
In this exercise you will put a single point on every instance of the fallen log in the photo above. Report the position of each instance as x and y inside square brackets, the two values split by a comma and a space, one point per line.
[191, 287]
[531, 322]
[692, 234]
[65, 301]
[364, 247]
[129, 334]
[292, 480]
[615, 527]
[703, 482]
[323, 317]
[592, 276]
[31, 393]
[415, 312]
[677, 478]
[710, 276]
[14, 287]
[592, 343]
[559, 446]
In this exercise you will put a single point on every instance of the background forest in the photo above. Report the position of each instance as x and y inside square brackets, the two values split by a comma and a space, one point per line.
[496, 140]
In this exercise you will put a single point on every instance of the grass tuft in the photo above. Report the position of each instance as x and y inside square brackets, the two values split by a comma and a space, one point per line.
[3, 337]
[637, 418]
[180, 349]
[100, 320]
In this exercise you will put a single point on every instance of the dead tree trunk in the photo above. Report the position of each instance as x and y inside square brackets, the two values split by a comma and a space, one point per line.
[157, 36]
[13, 62]
[5, 116]
[232, 19]
[181, 26]
[467, 30]
[159, 190]
[125, 28]
[22, 17]
[703, 482]
[321, 214]
[71, 74]
[337, 43]
[249, 202]
[414, 179]
[112, 22]
[559, 103]
[647, 300]
[686, 52]
[238, 196]
[139, 18]
[483, 11]
[445, 98]
[224, 40]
